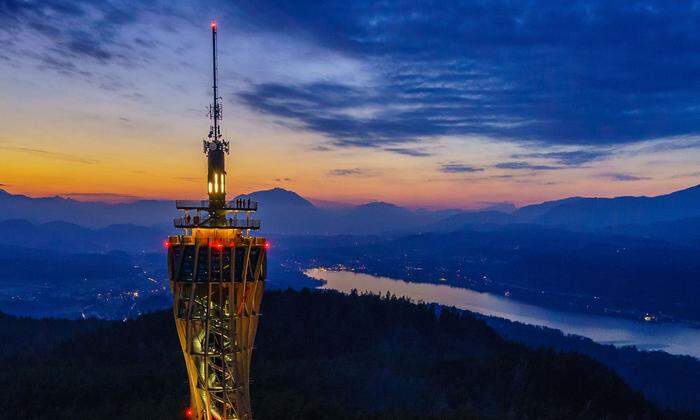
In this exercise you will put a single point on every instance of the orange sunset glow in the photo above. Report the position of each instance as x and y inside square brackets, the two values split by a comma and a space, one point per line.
[125, 122]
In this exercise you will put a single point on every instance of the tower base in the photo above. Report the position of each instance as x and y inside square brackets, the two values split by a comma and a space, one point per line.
[217, 277]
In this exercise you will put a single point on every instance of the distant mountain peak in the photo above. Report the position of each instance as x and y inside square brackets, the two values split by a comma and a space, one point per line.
[278, 189]
[278, 197]
[378, 204]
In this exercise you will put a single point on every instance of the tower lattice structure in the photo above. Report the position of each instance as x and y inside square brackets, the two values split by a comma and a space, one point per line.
[217, 273]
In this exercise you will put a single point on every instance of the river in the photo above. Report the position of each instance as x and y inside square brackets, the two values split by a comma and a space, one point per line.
[669, 337]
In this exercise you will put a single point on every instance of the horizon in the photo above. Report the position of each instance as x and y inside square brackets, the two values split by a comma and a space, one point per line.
[109, 199]
[107, 100]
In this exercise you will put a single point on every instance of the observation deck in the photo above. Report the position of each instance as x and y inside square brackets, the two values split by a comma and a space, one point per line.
[233, 215]
[238, 204]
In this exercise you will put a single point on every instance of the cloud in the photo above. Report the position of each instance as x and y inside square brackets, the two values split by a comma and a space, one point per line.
[51, 155]
[60, 65]
[329, 108]
[458, 168]
[102, 197]
[524, 165]
[523, 70]
[568, 158]
[82, 43]
[320, 148]
[351, 172]
[616, 176]
[408, 151]
[686, 175]
[335, 110]
[670, 144]
[65, 35]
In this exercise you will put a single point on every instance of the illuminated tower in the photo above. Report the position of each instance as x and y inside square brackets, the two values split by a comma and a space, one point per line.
[217, 275]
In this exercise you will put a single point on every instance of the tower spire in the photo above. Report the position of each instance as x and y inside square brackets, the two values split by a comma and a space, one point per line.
[215, 111]
[215, 147]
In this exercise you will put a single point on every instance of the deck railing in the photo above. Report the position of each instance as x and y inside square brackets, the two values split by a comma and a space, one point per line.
[185, 222]
[239, 205]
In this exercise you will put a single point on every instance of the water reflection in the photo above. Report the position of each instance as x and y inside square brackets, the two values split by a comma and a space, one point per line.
[672, 338]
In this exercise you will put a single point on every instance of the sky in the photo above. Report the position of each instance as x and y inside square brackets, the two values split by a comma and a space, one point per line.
[424, 104]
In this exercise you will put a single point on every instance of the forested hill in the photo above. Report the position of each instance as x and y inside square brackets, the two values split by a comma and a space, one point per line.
[320, 355]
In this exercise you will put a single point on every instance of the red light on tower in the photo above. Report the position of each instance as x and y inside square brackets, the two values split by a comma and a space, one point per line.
[267, 245]
[213, 24]
[188, 412]
[166, 244]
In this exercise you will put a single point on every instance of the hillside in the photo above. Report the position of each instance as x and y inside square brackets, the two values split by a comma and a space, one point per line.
[87, 214]
[319, 356]
[587, 213]
[64, 237]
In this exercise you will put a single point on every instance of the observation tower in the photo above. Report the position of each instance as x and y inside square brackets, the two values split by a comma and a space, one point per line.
[217, 271]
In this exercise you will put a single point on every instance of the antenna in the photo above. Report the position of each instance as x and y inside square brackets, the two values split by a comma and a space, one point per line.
[215, 146]
[215, 110]
[216, 107]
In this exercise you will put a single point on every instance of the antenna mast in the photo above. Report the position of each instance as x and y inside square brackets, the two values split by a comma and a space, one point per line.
[216, 148]
[216, 111]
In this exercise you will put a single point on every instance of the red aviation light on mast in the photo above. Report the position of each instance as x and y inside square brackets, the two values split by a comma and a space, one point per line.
[213, 24]
[188, 412]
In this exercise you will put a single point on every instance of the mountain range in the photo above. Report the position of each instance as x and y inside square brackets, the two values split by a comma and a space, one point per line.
[286, 212]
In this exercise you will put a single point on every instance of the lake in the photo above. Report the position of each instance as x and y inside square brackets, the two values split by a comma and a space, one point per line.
[670, 337]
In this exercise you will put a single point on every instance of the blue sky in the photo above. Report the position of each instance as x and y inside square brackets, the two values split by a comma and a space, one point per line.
[422, 103]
